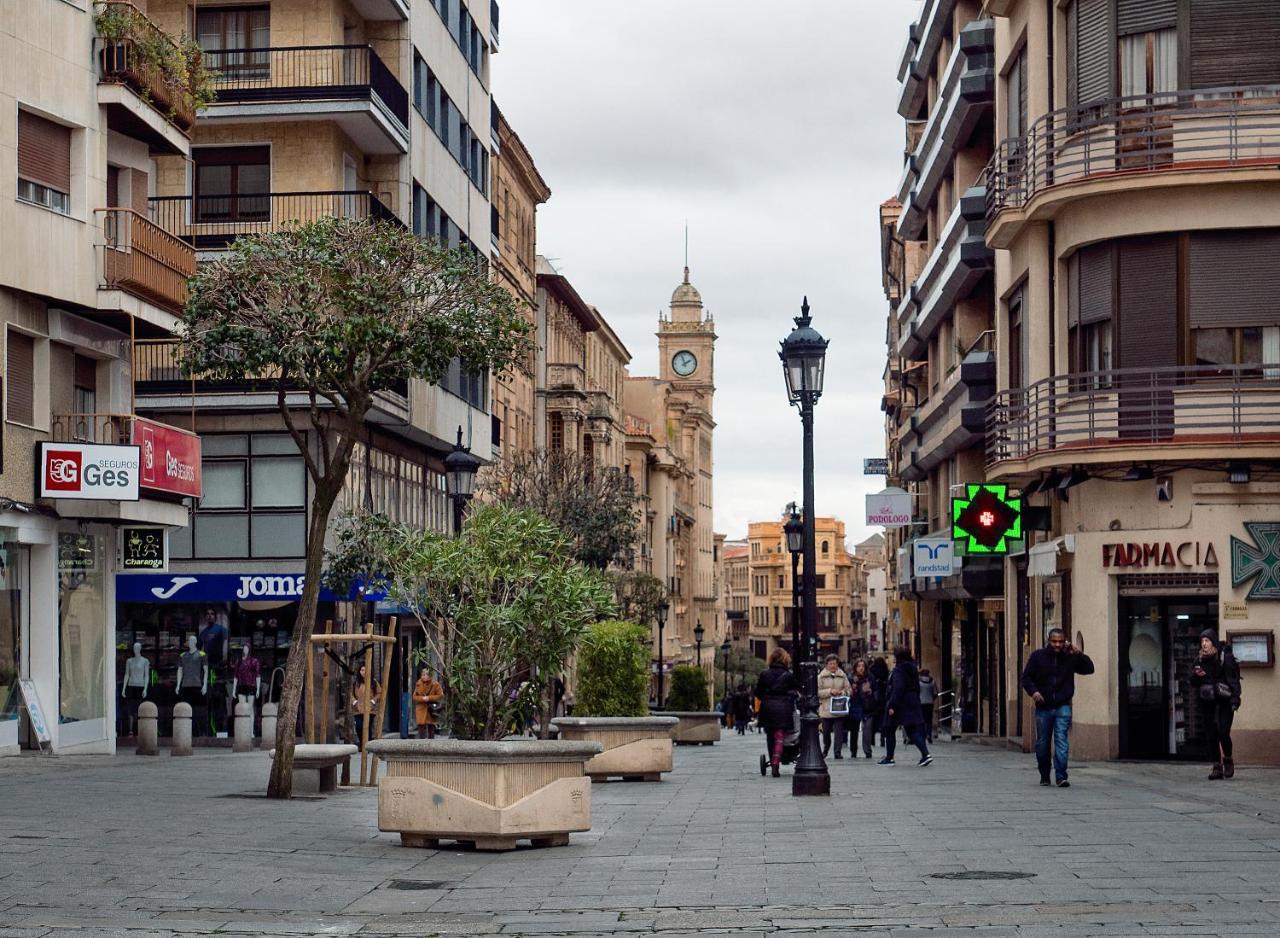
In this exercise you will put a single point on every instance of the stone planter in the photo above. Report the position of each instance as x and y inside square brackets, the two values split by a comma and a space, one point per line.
[635, 748]
[490, 794]
[696, 728]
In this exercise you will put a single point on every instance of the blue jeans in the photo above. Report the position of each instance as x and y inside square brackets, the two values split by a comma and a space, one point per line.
[1053, 722]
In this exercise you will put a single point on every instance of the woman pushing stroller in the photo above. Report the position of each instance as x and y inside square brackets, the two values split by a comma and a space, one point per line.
[776, 689]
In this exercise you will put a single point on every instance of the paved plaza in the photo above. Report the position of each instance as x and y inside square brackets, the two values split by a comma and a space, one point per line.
[137, 847]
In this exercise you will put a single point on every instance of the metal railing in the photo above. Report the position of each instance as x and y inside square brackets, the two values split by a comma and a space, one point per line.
[1219, 405]
[96, 428]
[158, 369]
[290, 73]
[141, 258]
[121, 63]
[1138, 134]
[211, 222]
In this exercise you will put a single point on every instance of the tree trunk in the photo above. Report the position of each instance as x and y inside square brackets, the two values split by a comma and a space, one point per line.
[280, 784]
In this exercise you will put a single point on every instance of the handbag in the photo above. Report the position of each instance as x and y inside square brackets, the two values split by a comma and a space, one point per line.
[435, 707]
[839, 705]
[1207, 692]
[1224, 690]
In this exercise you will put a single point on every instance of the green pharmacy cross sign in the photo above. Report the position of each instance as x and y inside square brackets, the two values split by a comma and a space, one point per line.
[986, 520]
[1261, 559]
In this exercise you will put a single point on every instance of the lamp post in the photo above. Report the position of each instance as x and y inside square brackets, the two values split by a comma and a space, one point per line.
[698, 633]
[662, 624]
[460, 468]
[804, 354]
[725, 647]
[794, 529]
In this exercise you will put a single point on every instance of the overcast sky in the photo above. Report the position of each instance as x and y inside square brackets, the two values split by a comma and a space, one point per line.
[771, 128]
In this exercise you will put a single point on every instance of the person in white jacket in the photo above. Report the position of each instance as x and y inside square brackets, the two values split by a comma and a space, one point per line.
[833, 704]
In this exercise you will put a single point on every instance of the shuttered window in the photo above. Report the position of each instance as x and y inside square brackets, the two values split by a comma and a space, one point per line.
[44, 162]
[1148, 301]
[1090, 308]
[20, 362]
[1235, 278]
[1142, 16]
[1234, 42]
[138, 185]
[1091, 56]
[1017, 338]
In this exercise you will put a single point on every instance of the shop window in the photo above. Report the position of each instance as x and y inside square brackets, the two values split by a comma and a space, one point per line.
[81, 626]
[14, 607]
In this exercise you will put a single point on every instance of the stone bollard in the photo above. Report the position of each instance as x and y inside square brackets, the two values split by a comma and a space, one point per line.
[181, 730]
[148, 729]
[270, 713]
[243, 741]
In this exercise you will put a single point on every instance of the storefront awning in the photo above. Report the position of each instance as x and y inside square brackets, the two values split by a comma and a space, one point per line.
[1042, 559]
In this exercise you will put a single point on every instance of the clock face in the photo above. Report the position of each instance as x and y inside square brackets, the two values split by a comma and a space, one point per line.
[685, 363]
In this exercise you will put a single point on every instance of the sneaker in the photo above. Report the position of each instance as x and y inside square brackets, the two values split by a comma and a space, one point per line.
[886, 761]
[1063, 783]
[925, 760]
[1044, 782]
[838, 756]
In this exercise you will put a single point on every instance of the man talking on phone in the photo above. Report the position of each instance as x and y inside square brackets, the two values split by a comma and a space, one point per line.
[1050, 680]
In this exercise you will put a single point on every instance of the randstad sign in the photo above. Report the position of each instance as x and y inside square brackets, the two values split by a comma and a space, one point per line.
[934, 556]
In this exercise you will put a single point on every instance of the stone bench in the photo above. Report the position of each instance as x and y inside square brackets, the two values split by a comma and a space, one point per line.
[324, 759]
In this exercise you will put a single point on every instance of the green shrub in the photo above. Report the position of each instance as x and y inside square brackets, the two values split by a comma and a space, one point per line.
[613, 671]
[688, 690]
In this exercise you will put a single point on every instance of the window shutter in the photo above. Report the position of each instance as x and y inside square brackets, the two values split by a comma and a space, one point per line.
[86, 373]
[21, 366]
[1234, 42]
[1143, 16]
[44, 152]
[1148, 302]
[1093, 51]
[1235, 280]
[113, 186]
[1097, 283]
[138, 182]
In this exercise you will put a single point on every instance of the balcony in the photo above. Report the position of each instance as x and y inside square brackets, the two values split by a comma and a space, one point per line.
[922, 48]
[957, 265]
[143, 260]
[143, 77]
[566, 377]
[210, 223]
[968, 89]
[1183, 412]
[347, 84]
[953, 418]
[1142, 141]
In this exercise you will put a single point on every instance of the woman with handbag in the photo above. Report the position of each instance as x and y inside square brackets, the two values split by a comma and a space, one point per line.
[428, 698]
[833, 704]
[862, 708]
[1216, 677]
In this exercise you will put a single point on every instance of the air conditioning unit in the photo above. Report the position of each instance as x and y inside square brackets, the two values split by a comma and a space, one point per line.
[959, 490]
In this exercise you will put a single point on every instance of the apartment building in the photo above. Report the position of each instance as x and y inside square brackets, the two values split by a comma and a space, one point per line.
[737, 590]
[83, 274]
[517, 191]
[1132, 205]
[771, 613]
[941, 371]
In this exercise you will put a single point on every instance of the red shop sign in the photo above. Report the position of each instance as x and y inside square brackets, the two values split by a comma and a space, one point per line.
[170, 458]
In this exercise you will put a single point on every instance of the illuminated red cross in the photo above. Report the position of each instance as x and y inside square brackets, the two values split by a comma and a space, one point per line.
[987, 519]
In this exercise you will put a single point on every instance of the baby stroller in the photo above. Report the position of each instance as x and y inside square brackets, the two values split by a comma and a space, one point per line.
[790, 745]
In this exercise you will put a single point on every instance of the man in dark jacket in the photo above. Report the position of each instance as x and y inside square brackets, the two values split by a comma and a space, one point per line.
[902, 707]
[1050, 680]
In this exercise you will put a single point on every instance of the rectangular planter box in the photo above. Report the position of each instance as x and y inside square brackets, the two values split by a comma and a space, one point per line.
[696, 728]
[490, 794]
[635, 748]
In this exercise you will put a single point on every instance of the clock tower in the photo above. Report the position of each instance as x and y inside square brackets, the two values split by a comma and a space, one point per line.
[686, 344]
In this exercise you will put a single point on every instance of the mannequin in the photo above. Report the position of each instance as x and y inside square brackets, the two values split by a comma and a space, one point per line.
[246, 684]
[137, 679]
[193, 680]
[214, 638]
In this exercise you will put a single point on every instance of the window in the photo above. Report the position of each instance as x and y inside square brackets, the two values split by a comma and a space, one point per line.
[1149, 62]
[44, 163]
[1090, 310]
[469, 385]
[226, 33]
[1017, 343]
[1244, 345]
[85, 387]
[232, 183]
[872, 591]
[820, 580]
[20, 378]
[426, 92]
[826, 548]
[426, 214]
[555, 432]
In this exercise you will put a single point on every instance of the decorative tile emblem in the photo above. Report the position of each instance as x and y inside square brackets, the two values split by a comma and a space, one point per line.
[1259, 561]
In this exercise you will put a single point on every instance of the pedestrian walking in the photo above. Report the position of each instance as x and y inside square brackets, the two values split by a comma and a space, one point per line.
[360, 708]
[833, 704]
[742, 709]
[880, 674]
[1216, 676]
[928, 694]
[862, 708]
[776, 690]
[902, 707]
[427, 704]
[1049, 678]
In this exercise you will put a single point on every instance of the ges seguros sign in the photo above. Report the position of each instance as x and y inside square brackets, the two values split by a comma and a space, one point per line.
[87, 471]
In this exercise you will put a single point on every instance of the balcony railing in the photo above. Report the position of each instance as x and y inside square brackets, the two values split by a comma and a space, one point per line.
[113, 429]
[1140, 134]
[211, 222]
[566, 377]
[292, 73]
[1073, 414]
[144, 260]
[121, 62]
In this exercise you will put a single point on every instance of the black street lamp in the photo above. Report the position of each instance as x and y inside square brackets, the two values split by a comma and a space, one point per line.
[794, 529]
[698, 633]
[725, 647]
[460, 468]
[804, 355]
[662, 624]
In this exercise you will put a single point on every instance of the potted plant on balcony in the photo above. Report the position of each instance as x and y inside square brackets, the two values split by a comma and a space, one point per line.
[687, 702]
[612, 707]
[501, 607]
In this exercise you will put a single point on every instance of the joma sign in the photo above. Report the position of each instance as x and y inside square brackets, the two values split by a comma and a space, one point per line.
[1160, 554]
[88, 471]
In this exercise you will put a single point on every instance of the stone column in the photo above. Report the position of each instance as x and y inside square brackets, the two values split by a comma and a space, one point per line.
[148, 729]
[243, 741]
[181, 730]
[270, 712]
